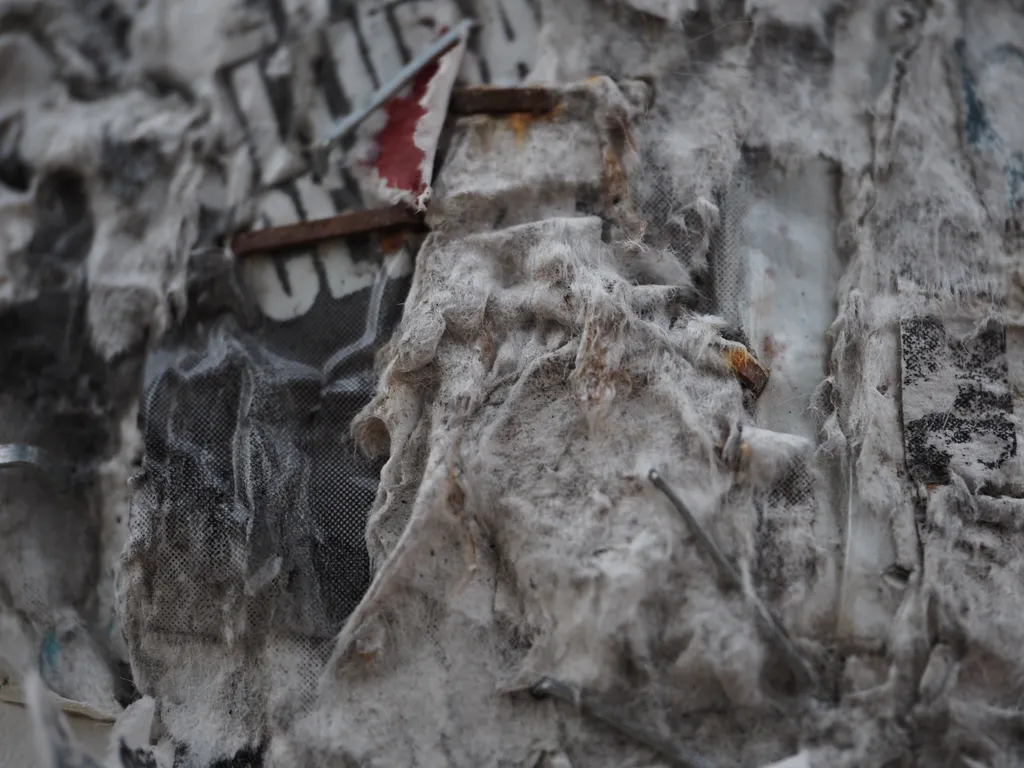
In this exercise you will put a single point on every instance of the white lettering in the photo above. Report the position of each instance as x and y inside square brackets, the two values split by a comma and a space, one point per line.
[261, 274]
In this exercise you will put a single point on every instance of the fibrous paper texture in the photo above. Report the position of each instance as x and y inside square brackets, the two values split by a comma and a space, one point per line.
[832, 189]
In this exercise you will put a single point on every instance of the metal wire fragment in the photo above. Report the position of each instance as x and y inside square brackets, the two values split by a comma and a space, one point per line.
[306, 233]
[20, 455]
[487, 100]
[677, 755]
[772, 627]
[353, 120]
[752, 375]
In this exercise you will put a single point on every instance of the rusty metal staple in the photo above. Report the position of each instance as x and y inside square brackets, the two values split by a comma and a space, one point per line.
[484, 100]
[305, 233]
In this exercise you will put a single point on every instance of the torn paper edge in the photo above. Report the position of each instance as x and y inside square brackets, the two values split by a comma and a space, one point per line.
[426, 134]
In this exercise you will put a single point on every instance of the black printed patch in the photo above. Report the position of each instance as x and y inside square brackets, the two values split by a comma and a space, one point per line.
[957, 407]
[140, 757]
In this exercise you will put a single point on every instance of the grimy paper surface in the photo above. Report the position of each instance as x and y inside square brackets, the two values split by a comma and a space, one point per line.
[380, 488]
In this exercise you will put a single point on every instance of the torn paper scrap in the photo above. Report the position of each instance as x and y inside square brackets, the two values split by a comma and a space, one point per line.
[393, 157]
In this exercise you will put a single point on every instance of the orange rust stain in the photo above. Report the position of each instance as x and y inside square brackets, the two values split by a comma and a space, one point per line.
[613, 179]
[614, 174]
[932, 487]
[772, 349]
[737, 359]
[393, 241]
[521, 122]
[367, 657]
